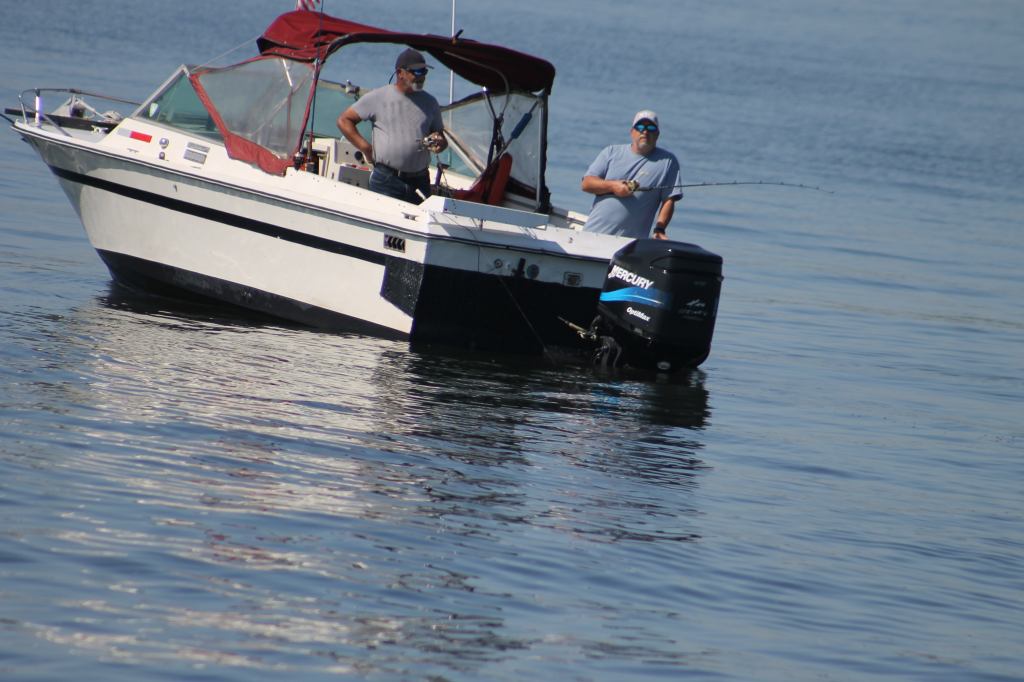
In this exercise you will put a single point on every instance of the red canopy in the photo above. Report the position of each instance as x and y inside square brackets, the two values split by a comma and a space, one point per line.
[303, 35]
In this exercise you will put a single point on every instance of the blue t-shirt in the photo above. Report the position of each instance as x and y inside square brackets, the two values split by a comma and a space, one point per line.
[400, 122]
[632, 216]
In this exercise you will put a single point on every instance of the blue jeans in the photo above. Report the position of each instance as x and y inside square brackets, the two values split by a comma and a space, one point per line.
[384, 181]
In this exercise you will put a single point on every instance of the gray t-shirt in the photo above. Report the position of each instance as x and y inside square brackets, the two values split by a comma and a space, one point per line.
[400, 122]
[634, 215]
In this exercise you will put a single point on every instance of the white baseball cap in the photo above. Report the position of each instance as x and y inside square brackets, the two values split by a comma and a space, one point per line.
[645, 115]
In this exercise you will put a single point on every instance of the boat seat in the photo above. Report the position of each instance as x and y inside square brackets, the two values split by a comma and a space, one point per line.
[489, 188]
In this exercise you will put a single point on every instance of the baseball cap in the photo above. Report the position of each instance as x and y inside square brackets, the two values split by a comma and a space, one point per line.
[646, 115]
[411, 59]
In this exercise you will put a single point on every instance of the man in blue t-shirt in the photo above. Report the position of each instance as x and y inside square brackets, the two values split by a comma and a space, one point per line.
[620, 177]
[407, 126]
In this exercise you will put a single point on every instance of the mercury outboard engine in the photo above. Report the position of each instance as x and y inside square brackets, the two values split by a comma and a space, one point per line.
[658, 305]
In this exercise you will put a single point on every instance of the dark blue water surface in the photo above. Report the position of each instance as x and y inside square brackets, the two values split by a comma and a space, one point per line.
[837, 495]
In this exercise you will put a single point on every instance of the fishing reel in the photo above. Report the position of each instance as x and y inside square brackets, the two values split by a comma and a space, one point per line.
[633, 185]
[431, 143]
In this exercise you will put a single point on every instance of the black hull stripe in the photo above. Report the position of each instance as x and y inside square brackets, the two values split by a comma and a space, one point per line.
[224, 217]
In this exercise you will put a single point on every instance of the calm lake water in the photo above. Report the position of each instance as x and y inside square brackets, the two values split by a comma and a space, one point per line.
[838, 493]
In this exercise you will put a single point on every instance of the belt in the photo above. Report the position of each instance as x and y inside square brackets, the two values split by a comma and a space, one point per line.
[397, 173]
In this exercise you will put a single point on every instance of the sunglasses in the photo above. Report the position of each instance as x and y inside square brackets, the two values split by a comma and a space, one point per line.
[417, 72]
[649, 127]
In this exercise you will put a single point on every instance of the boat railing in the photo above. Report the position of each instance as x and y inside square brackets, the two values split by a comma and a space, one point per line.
[74, 111]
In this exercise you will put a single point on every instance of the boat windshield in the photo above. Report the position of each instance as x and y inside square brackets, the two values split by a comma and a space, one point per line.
[262, 101]
[331, 100]
[177, 105]
[470, 126]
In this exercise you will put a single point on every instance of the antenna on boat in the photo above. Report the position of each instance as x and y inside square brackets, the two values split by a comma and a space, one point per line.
[451, 74]
[311, 122]
[451, 81]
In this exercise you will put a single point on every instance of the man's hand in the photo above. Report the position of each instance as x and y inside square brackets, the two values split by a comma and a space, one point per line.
[597, 185]
[624, 188]
[367, 153]
[347, 125]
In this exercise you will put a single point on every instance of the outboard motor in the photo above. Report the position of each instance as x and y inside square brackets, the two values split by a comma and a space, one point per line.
[658, 305]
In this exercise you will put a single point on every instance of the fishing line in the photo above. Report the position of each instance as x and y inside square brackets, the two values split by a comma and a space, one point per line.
[234, 49]
[719, 184]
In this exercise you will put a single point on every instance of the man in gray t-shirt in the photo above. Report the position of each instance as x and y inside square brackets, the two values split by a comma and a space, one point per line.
[407, 127]
[618, 177]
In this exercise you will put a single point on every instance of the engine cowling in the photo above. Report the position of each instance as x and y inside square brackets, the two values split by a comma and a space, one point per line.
[659, 304]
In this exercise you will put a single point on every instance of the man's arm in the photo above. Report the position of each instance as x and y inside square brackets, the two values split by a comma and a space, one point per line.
[595, 185]
[668, 209]
[436, 142]
[347, 125]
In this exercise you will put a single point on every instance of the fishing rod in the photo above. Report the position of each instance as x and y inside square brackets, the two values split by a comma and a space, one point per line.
[635, 186]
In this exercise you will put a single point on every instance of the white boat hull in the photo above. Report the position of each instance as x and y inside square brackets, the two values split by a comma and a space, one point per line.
[423, 275]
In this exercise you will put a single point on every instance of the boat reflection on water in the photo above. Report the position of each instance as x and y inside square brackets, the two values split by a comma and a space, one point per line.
[320, 396]
[325, 394]
[500, 407]
[250, 466]
[574, 454]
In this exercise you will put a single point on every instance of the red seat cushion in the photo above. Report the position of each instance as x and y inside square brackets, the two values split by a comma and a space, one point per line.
[489, 188]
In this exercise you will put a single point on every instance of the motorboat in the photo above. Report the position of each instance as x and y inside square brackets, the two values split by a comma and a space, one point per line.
[234, 184]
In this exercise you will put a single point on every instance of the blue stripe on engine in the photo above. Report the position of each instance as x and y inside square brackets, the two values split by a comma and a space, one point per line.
[656, 298]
